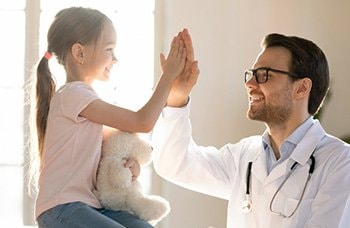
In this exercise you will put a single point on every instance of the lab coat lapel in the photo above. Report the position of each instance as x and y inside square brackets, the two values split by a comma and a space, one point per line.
[259, 166]
[301, 153]
[306, 147]
[277, 172]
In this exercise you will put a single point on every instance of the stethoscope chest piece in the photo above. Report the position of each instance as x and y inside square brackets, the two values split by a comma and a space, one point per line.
[246, 206]
[247, 203]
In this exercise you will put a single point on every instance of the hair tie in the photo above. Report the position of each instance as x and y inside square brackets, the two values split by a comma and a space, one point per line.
[47, 55]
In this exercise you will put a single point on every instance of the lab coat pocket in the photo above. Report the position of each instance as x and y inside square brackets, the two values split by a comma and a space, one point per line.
[284, 205]
[301, 215]
[293, 199]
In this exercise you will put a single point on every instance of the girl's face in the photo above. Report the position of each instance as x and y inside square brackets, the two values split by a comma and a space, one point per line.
[99, 58]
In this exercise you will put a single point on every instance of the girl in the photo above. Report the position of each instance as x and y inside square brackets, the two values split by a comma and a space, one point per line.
[70, 120]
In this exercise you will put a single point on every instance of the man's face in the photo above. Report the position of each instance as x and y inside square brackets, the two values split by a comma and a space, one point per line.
[271, 102]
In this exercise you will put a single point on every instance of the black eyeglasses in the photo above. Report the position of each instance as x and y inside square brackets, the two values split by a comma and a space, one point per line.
[261, 74]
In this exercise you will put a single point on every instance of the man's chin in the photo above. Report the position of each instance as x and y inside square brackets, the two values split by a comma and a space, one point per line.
[254, 116]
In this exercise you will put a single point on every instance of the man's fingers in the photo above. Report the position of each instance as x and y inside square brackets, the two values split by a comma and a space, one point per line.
[188, 44]
[194, 68]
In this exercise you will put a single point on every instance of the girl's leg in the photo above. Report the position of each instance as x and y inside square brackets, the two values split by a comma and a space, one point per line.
[126, 219]
[75, 215]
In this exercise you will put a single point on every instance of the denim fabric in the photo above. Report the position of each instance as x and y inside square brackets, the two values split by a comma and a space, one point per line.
[80, 215]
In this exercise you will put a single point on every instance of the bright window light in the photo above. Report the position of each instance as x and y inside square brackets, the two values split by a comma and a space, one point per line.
[12, 23]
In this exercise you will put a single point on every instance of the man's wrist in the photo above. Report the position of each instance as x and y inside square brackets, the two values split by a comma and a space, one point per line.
[178, 103]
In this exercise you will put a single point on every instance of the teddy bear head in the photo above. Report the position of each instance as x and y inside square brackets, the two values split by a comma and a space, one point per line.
[122, 145]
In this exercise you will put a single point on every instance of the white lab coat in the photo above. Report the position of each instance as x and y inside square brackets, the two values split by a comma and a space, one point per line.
[345, 220]
[222, 173]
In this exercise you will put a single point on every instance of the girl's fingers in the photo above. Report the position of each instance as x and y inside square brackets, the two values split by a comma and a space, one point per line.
[162, 60]
[174, 47]
[180, 49]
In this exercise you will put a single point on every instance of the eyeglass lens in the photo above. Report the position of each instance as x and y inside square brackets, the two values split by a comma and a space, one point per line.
[261, 75]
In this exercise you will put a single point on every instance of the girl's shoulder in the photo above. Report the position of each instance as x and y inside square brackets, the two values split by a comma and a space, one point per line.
[75, 85]
[75, 92]
[76, 88]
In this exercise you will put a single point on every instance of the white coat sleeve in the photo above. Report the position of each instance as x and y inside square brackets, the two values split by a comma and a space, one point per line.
[178, 159]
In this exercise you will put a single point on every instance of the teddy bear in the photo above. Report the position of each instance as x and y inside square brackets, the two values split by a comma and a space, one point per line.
[114, 185]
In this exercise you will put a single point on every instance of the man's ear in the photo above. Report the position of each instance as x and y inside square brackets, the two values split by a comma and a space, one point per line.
[304, 86]
[78, 52]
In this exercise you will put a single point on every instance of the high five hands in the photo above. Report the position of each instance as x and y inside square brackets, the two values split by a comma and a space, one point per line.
[183, 83]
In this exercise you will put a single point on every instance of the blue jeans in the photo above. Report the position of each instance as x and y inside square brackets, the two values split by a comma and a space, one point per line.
[80, 215]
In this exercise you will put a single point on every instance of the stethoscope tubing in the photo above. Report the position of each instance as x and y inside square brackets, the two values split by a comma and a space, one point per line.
[247, 204]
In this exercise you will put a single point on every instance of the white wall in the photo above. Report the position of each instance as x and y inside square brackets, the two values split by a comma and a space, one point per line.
[227, 36]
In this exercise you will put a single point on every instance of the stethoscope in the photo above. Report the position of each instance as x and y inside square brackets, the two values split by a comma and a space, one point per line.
[247, 203]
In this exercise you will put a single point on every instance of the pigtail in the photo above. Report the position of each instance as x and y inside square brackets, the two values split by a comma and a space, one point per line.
[39, 90]
[45, 89]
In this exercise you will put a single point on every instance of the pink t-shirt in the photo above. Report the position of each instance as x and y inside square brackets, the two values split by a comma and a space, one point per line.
[71, 151]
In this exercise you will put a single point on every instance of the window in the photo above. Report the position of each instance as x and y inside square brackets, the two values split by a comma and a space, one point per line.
[12, 21]
[25, 24]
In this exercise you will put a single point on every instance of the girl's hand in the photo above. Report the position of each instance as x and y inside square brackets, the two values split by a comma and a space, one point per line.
[134, 167]
[175, 63]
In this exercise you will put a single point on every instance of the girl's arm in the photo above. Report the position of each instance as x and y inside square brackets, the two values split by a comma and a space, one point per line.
[144, 119]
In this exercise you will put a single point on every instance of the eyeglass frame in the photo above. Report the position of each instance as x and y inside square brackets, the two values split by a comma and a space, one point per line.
[253, 73]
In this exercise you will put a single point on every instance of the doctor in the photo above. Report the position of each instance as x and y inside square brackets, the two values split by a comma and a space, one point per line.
[294, 174]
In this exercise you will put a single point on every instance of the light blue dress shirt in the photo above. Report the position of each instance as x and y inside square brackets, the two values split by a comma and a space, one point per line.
[287, 146]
